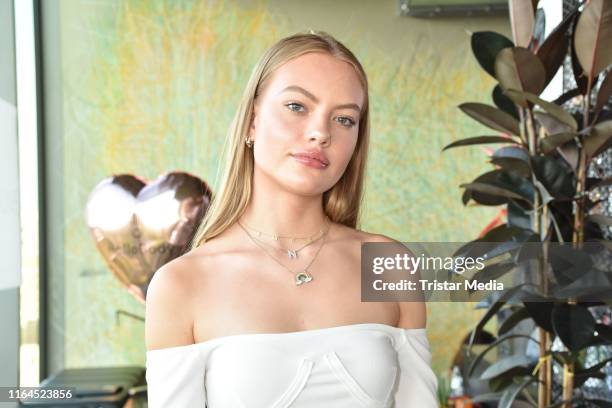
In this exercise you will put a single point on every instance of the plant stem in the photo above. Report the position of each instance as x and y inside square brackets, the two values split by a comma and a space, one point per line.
[545, 335]
[531, 133]
[544, 383]
[568, 384]
[578, 230]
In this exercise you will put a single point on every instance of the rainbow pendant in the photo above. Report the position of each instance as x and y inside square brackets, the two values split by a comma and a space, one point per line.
[302, 277]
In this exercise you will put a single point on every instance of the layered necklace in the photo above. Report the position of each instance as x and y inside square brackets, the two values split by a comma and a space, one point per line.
[301, 276]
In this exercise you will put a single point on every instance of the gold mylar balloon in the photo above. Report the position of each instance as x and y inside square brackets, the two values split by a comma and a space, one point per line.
[138, 226]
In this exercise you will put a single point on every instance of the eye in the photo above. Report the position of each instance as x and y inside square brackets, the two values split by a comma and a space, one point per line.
[295, 107]
[346, 121]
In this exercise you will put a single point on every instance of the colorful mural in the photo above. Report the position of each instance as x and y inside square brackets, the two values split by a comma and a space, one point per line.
[151, 87]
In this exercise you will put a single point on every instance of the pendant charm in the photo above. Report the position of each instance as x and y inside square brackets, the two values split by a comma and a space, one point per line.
[302, 277]
[291, 254]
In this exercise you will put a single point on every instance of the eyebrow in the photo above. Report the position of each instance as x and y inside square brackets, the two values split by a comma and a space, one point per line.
[315, 99]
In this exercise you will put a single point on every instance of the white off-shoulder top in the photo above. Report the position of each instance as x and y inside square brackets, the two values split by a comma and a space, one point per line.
[370, 365]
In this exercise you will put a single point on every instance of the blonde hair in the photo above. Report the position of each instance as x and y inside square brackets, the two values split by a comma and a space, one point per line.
[342, 202]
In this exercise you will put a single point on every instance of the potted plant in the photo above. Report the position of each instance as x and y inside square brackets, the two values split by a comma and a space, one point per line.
[540, 179]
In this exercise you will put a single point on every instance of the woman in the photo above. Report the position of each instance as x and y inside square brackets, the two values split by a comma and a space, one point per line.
[265, 310]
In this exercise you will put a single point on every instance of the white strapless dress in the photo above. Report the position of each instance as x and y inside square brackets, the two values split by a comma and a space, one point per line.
[370, 365]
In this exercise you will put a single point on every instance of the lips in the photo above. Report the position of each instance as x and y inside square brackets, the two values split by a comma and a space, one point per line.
[314, 159]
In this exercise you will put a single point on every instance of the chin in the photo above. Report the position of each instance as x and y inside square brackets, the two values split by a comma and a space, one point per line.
[306, 187]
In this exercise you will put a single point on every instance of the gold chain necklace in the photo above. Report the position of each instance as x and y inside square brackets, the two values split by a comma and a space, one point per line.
[278, 237]
[302, 276]
[291, 253]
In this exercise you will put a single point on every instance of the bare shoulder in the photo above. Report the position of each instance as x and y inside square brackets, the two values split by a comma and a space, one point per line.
[371, 237]
[413, 315]
[360, 236]
[380, 238]
[169, 303]
[188, 284]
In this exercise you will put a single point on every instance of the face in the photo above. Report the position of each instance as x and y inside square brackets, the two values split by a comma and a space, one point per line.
[306, 123]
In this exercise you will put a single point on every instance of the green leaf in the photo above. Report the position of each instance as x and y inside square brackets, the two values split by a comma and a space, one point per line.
[556, 177]
[506, 296]
[500, 383]
[491, 117]
[491, 346]
[517, 216]
[593, 37]
[528, 251]
[508, 238]
[479, 140]
[567, 96]
[554, 110]
[513, 391]
[514, 152]
[518, 68]
[486, 45]
[600, 219]
[599, 139]
[594, 368]
[551, 124]
[505, 365]
[511, 321]
[491, 272]
[501, 249]
[503, 233]
[568, 263]
[509, 164]
[604, 331]
[551, 142]
[488, 397]
[466, 196]
[517, 184]
[569, 154]
[522, 19]
[503, 102]
[491, 189]
[497, 187]
[564, 357]
[574, 325]
[540, 312]
[580, 76]
[512, 158]
[580, 379]
[593, 285]
[554, 48]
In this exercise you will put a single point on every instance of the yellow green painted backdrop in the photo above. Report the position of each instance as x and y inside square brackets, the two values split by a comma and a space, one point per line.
[151, 86]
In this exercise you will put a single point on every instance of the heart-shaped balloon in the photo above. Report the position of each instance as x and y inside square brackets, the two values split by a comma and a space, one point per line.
[138, 225]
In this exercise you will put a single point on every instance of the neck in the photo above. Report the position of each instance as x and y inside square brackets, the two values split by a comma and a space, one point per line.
[283, 213]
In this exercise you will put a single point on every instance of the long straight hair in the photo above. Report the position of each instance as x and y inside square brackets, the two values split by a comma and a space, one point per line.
[342, 202]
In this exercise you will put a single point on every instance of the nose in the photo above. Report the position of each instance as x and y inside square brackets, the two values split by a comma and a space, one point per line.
[320, 136]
